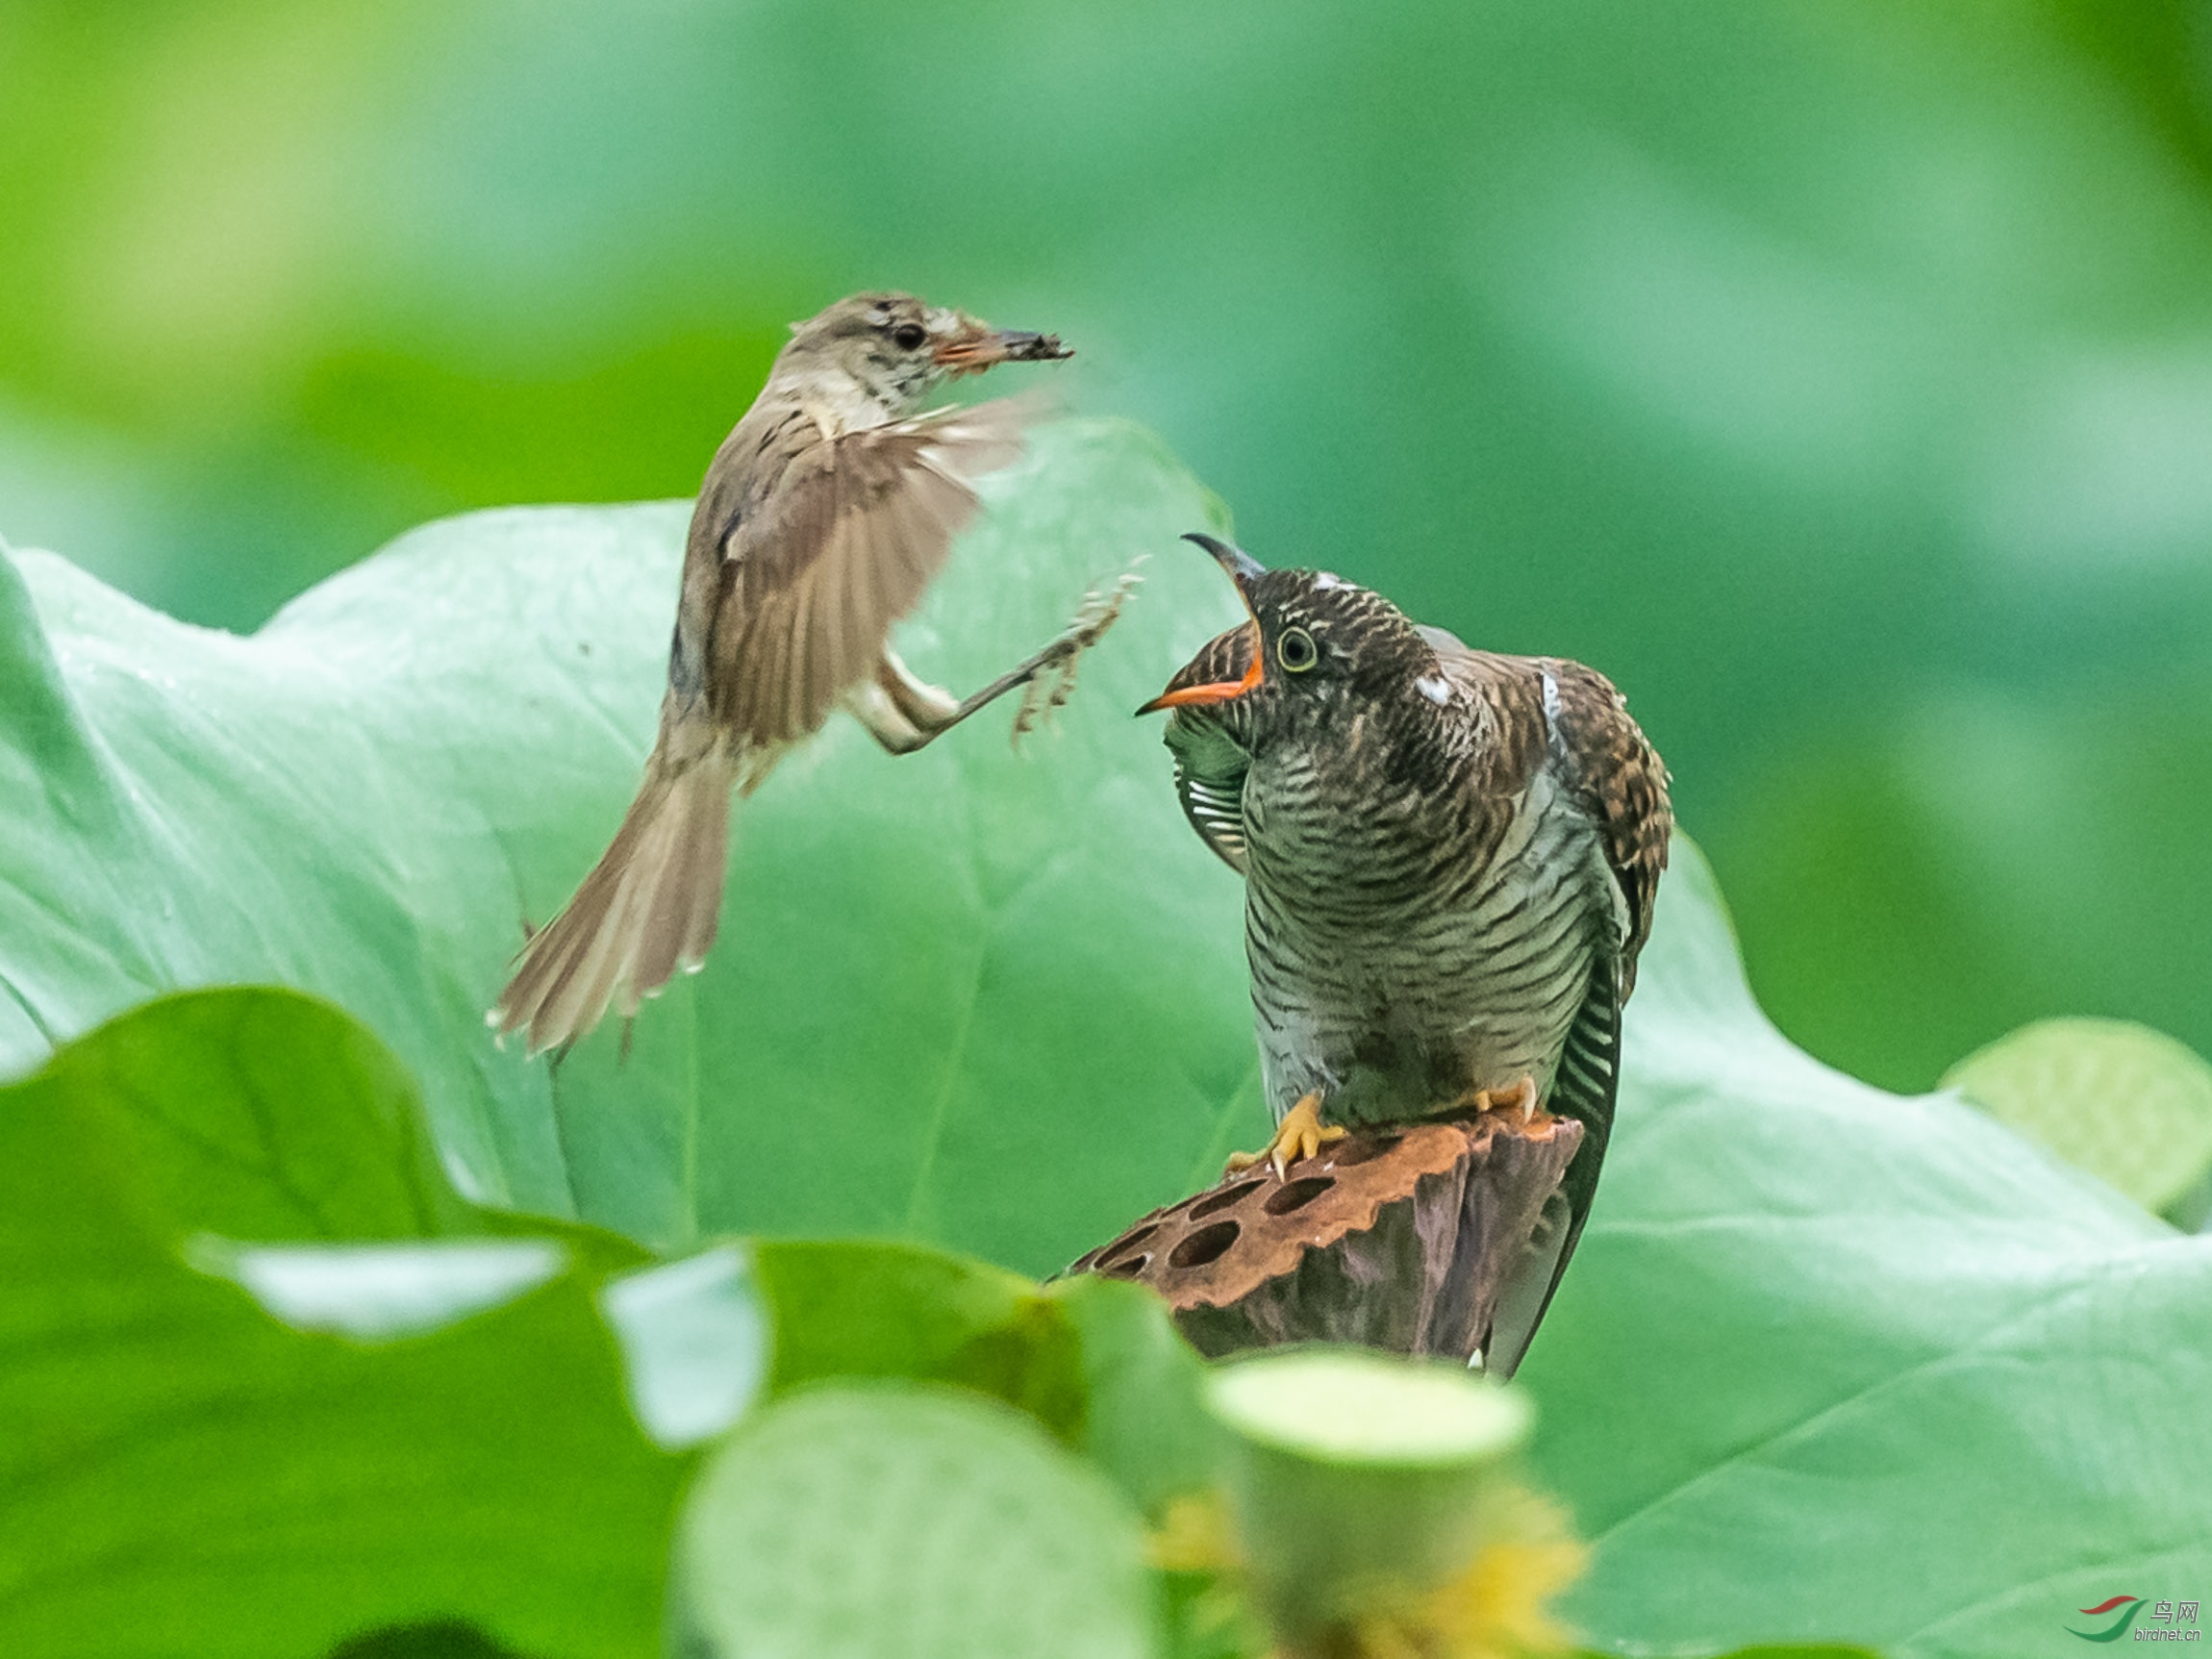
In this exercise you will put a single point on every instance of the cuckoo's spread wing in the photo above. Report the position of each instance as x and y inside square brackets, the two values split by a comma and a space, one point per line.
[811, 576]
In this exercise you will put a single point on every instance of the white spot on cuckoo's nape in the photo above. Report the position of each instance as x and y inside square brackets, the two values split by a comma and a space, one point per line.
[1324, 579]
[1435, 687]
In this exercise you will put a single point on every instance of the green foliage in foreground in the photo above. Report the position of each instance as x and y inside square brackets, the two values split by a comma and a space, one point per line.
[441, 1430]
[1879, 1351]
[182, 1475]
[910, 1521]
[268, 1448]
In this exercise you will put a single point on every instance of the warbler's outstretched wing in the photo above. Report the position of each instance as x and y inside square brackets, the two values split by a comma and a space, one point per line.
[809, 578]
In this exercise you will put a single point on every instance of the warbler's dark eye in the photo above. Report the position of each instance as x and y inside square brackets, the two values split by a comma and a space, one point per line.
[909, 336]
[1296, 650]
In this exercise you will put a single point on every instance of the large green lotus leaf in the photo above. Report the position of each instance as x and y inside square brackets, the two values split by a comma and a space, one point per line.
[259, 1113]
[1834, 1363]
[1854, 357]
[986, 997]
[182, 1474]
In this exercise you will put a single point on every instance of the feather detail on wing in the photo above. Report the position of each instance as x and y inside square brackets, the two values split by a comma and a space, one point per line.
[1623, 784]
[1603, 754]
[1551, 706]
[812, 580]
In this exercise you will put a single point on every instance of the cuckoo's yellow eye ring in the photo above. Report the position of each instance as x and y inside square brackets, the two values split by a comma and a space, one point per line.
[1297, 651]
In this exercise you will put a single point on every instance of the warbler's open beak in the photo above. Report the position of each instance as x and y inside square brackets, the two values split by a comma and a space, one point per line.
[1244, 569]
[973, 353]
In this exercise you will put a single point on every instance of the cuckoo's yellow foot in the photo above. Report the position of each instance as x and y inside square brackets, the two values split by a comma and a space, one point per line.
[1518, 1099]
[1297, 1136]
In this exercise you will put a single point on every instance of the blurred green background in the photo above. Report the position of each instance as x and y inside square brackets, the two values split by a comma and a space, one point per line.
[1837, 378]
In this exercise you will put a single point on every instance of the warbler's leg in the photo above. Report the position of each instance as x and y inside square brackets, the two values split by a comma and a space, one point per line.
[927, 708]
[1297, 1136]
[873, 707]
[930, 711]
[904, 712]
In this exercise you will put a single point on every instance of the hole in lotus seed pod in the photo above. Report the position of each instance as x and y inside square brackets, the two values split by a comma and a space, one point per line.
[1126, 1267]
[1220, 1201]
[1363, 1149]
[1298, 1195]
[1121, 1247]
[1206, 1244]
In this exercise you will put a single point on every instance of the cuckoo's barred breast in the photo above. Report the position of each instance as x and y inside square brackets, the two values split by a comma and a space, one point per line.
[1409, 954]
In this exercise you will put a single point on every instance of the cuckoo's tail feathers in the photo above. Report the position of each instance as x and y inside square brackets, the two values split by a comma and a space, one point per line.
[649, 907]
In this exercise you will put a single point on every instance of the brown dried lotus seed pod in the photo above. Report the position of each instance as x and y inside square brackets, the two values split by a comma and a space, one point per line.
[1397, 1237]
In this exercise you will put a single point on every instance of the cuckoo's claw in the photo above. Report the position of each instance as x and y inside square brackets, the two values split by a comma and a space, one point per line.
[1519, 1097]
[1297, 1136]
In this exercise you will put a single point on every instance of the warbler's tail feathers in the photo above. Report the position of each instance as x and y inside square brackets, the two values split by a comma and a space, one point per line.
[649, 907]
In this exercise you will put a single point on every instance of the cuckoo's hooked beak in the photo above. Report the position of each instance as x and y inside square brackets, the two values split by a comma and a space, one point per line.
[1244, 569]
[973, 352]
